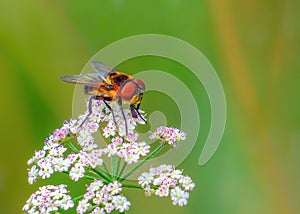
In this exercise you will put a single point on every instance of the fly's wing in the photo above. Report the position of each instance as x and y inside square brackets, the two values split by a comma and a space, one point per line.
[90, 79]
[112, 75]
[95, 79]
[102, 68]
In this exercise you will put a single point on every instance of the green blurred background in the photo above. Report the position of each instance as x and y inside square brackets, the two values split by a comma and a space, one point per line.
[253, 45]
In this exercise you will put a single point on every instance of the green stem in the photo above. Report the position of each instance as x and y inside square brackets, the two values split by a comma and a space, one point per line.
[77, 198]
[122, 169]
[89, 177]
[91, 170]
[102, 174]
[133, 186]
[73, 147]
[66, 139]
[113, 163]
[142, 161]
[118, 166]
[105, 167]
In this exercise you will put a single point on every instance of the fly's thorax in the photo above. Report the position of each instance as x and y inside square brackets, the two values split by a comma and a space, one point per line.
[117, 78]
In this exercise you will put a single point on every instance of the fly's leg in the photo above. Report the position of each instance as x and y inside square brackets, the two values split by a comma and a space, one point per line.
[120, 104]
[111, 110]
[94, 97]
[98, 97]
[135, 112]
[138, 107]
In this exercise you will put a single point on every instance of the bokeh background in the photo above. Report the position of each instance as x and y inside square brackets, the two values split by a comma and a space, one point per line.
[253, 45]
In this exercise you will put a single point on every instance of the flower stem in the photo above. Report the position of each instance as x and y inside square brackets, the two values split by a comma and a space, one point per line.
[73, 147]
[134, 186]
[105, 167]
[97, 173]
[113, 163]
[122, 169]
[77, 198]
[142, 161]
[89, 177]
[118, 167]
[102, 174]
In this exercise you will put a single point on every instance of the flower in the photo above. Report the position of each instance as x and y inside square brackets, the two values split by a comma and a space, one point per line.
[98, 210]
[32, 174]
[86, 140]
[114, 187]
[54, 157]
[77, 171]
[53, 160]
[129, 151]
[94, 186]
[121, 203]
[46, 169]
[49, 198]
[179, 196]
[162, 190]
[61, 164]
[169, 135]
[186, 182]
[109, 130]
[83, 206]
[146, 179]
[106, 197]
[61, 133]
[165, 180]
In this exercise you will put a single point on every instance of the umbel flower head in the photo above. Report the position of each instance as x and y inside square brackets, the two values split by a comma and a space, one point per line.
[48, 199]
[72, 150]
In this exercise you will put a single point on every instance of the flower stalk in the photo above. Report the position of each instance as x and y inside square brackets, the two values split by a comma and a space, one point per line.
[151, 155]
[122, 169]
[100, 173]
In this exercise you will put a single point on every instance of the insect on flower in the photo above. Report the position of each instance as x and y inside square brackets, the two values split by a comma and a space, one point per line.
[108, 84]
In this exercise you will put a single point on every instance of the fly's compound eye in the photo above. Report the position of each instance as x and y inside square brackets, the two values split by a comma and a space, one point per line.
[140, 84]
[128, 90]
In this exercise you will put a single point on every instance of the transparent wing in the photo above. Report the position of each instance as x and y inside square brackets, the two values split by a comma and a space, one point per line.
[91, 79]
[102, 68]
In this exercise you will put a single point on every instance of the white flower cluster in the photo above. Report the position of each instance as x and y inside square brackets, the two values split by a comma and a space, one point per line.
[48, 199]
[71, 149]
[101, 198]
[60, 134]
[130, 152]
[51, 159]
[165, 180]
[168, 134]
[84, 131]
